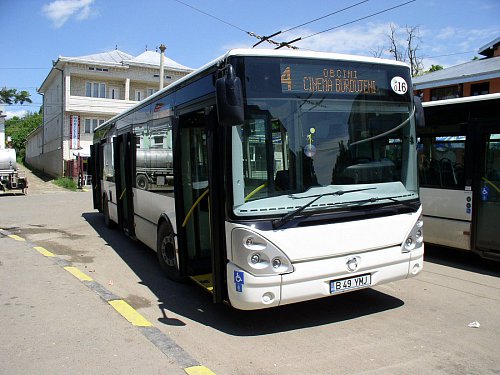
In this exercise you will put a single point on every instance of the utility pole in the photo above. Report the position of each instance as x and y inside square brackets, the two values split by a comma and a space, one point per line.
[2, 127]
[162, 54]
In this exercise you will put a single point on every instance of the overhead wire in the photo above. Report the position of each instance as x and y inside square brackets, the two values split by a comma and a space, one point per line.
[252, 34]
[325, 16]
[449, 54]
[268, 38]
[212, 16]
[289, 44]
[359, 19]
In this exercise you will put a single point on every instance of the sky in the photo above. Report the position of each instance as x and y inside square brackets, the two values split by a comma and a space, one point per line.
[36, 32]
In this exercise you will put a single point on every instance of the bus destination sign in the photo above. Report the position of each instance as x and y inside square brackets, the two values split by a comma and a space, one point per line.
[307, 78]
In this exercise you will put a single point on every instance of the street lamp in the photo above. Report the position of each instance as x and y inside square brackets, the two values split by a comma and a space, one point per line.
[162, 54]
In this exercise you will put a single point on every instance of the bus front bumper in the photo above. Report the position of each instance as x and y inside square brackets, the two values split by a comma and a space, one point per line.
[312, 279]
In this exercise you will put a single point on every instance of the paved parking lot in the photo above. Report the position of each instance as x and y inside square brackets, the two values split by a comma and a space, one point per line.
[415, 326]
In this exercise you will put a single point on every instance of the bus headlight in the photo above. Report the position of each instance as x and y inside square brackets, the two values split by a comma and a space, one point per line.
[255, 258]
[419, 236]
[257, 255]
[276, 263]
[415, 238]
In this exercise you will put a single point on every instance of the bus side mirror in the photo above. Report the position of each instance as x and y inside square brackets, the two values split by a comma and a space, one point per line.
[419, 112]
[229, 99]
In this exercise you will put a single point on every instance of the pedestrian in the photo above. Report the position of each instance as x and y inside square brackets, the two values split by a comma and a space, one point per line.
[25, 186]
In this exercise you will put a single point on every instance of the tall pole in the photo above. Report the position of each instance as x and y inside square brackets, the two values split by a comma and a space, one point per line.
[2, 128]
[162, 54]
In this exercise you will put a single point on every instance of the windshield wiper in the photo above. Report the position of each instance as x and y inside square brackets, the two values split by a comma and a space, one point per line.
[376, 199]
[289, 216]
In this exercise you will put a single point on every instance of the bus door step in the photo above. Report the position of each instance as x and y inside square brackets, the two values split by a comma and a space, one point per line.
[204, 281]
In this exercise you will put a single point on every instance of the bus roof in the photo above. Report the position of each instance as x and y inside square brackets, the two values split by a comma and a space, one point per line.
[259, 52]
[466, 99]
[309, 55]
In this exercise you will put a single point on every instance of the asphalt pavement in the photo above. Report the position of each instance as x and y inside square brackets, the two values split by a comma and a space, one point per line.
[53, 323]
[56, 320]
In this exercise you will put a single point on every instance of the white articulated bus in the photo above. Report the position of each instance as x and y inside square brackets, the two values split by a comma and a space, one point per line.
[459, 166]
[270, 177]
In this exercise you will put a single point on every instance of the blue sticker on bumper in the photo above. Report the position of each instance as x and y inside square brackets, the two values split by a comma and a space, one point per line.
[239, 280]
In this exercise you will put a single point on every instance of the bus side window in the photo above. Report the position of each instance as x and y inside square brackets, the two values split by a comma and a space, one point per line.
[493, 158]
[142, 156]
[441, 161]
[109, 165]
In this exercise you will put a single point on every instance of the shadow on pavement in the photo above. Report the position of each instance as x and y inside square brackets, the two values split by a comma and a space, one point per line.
[464, 260]
[192, 302]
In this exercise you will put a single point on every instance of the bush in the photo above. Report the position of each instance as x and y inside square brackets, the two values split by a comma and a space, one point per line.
[66, 182]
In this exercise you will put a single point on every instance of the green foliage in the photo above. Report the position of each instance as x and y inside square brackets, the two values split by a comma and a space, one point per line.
[435, 68]
[12, 96]
[66, 182]
[19, 128]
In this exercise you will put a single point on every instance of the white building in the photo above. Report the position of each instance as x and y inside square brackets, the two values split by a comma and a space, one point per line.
[80, 93]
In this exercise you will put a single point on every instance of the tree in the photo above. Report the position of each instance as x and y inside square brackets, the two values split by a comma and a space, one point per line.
[12, 96]
[19, 128]
[435, 68]
[407, 50]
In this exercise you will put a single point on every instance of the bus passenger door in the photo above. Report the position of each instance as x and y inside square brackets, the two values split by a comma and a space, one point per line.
[488, 201]
[194, 214]
[95, 173]
[123, 160]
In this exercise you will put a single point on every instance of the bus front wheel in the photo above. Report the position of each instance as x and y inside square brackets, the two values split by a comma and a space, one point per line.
[167, 253]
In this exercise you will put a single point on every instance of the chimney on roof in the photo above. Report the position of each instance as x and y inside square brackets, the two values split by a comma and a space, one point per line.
[162, 54]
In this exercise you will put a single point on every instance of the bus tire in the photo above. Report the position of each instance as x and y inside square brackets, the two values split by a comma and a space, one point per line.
[105, 210]
[141, 182]
[166, 251]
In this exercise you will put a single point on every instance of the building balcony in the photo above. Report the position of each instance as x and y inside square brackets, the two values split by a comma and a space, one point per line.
[98, 106]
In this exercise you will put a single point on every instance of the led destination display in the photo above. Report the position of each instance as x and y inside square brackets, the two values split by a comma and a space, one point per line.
[334, 79]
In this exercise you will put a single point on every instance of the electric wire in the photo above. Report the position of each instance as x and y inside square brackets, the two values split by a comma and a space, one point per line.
[268, 38]
[212, 16]
[325, 16]
[359, 19]
[350, 22]
[449, 54]
[288, 44]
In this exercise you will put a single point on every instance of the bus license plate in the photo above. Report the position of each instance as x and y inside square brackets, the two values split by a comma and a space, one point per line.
[350, 283]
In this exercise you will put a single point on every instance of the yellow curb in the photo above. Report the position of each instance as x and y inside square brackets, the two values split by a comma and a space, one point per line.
[44, 251]
[17, 238]
[198, 370]
[129, 313]
[78, 274]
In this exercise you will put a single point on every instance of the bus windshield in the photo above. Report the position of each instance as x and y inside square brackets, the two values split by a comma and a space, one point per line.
[300, 145]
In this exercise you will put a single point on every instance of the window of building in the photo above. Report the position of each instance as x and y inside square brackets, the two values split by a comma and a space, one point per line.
[480, 88]
[95, 89]
[165, 76]
[150, 92]
[448, 92]
[98, 69]
[91, 124]
[114, 93]
[139, 95]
